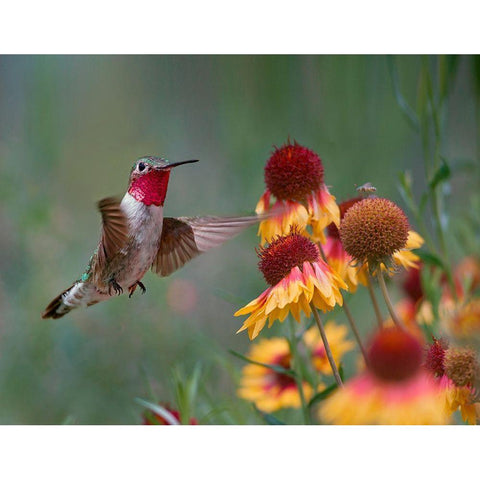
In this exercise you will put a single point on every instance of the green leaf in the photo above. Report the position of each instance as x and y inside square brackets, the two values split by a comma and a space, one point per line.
[320, 396]
[430, 259]
[422, 92]
[441, 175]
[447, 69]
[186, 391]
[268, 417]
[275, 368]
[159, 410]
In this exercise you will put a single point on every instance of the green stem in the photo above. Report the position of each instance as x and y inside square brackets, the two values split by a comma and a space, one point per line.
[378, 314]
[297, 368]
[328, 351]
[386, 296]
[353, 326]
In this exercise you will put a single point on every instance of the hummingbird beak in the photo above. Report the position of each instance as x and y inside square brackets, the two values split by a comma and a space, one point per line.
[176, 164]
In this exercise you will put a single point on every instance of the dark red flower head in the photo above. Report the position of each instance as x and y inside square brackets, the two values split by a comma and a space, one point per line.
[435, 357]
[394, 354]
[285, 253]
[292, 172]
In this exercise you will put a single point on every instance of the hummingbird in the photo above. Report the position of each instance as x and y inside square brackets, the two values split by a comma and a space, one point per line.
[136, 237]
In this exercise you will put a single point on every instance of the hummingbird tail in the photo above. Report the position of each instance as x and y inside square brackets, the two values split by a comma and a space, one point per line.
[57, 308]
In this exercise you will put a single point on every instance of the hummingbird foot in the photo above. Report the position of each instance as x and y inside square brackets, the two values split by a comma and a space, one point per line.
[134, 287]
[116, 287]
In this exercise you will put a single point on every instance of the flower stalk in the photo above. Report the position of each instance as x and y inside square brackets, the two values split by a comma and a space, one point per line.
[373, 298]
[328, 351]
[386, 296]
[353, 326]
[297, 368]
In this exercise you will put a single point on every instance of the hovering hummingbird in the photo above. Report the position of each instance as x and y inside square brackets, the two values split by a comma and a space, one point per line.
[135, 236]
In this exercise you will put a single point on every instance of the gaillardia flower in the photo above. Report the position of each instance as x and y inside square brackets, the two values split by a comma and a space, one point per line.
[373, 230]
[294, 176]
[268, 389]
[459, 311]
[395, 389]
[456, 370]
[463, 322]
[352, 271]
[337, 340]
[298, 278]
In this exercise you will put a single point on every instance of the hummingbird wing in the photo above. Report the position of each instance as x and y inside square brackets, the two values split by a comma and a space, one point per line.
[185, 238]
[114, 231]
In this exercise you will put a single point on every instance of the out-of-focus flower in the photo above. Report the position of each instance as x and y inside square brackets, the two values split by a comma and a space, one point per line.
[171, 417]
[298, 278]
[294, 175]
[459, 311]
[268, 389]
[459, 398]
[394, 390]
[461, 320]
[456, 370]
[414, 310]
[467, 273]
[412, 283]
[373, 230]
[339, 345]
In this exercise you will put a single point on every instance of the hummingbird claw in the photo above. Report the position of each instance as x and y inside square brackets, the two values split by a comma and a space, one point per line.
[116, 287]
[142, 287]
[134, 287]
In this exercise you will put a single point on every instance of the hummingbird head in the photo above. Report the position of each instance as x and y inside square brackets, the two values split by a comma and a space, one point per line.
[149, 179]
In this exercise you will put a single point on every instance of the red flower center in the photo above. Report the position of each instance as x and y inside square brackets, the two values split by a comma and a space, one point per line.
[283, 254]
[435, 358]
[394, 354]
[292, 172]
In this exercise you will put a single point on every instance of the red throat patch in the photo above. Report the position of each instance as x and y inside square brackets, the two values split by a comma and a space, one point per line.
[150, 189]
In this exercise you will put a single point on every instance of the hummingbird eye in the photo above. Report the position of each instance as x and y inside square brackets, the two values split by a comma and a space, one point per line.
[141, 167]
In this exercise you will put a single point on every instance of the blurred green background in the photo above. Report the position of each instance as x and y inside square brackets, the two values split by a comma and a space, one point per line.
[70, 129]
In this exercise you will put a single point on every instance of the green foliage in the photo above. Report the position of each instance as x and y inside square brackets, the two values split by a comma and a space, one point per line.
[158, 410]
[275, 368]
[268, 417]
[320, 396]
